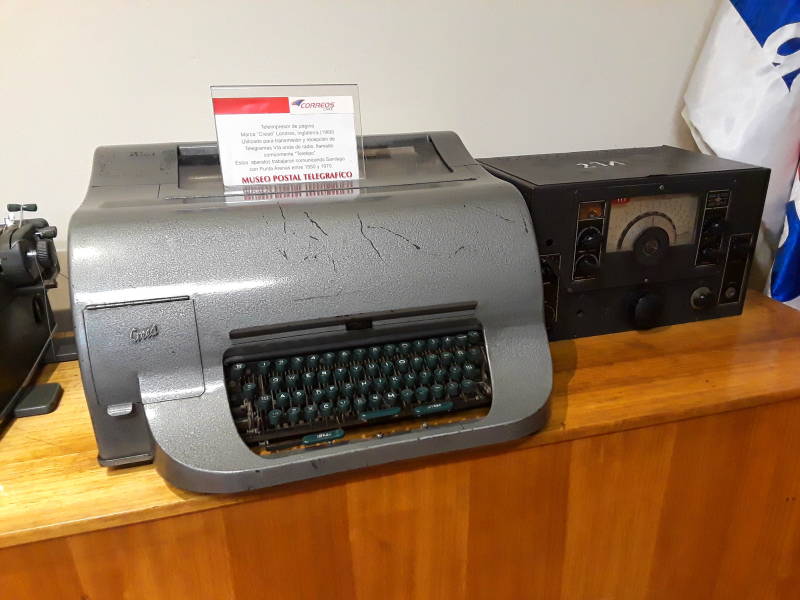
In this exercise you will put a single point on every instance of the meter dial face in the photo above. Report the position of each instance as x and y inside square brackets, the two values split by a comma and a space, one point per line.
[676, 214]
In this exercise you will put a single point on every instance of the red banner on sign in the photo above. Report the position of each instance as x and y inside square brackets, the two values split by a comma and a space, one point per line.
[250, 106]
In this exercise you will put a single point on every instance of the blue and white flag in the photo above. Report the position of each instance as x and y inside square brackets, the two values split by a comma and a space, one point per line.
[743, 103]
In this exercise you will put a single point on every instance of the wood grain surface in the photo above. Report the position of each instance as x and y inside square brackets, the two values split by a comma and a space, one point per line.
[669, 470]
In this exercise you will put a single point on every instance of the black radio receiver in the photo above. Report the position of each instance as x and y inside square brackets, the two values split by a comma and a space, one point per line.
[639, 237]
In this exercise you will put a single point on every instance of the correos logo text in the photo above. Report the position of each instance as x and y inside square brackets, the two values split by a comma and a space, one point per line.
[301, 103]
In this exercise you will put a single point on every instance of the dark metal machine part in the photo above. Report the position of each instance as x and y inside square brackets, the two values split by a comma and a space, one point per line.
[28, 268]
[594, 284]
[410, 251]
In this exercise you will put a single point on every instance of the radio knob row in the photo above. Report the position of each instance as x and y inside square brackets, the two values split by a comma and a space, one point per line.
[587, 265]
[589, 244]
[590, 240]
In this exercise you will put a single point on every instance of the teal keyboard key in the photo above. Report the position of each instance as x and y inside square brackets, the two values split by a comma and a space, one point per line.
[471, 371]
[328, 359]
[360, 403]
[331, 392]
[312, 362]
[407, 396]
[422, 394]
[344, 357]
[391, 398]
[474, 337]
[263, 402]
[410, 379]
[296, 363]
[395, 383]
[237, 370]
[437, 391]
[348, 389]
[425, 377]
[299, 397]
[375, 401]
[447, 342]
[357, 371]
[453, 389]
[475, 356]
[374, 352]
[404, 349]
[275, 383]
[280, 365]
[324, 377]
[293, 415]
[461, 340]
[363, 387]
[460, 356]
[440, 375]
[379, 384]
[418, 346]
[389, 350]
[373, 369]
[292, 379]
[455, 373]
[248, 390]
[309, 378]
[382, 413]
[340, 374]
[326, 409]
[402, 365]
[433, 344]
[317, 396]
[468, 386]
[342, 405]
[263, 367]
[446, 359]
[387, 368]
[431, 361]
[359, 354]
[310, 412]
[433, 408]
[274, 417]
[282, 399]
[325, 436]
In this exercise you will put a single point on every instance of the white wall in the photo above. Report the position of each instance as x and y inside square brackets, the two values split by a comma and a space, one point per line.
[511, 78]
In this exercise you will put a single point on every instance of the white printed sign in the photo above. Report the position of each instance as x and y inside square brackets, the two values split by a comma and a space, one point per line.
[264, 141]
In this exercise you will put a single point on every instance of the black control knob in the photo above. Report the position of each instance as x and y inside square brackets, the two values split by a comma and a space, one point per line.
[590, 239]
[711, 254]
[651, 246]
[46, 254]
[714, 227]
[587, 265]
[646, 310]
[702, 298]
[47, 233]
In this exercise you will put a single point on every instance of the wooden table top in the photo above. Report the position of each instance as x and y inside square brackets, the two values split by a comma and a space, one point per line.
[52, 486]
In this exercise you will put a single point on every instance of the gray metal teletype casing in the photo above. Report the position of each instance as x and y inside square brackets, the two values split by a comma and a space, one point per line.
[164, 266]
